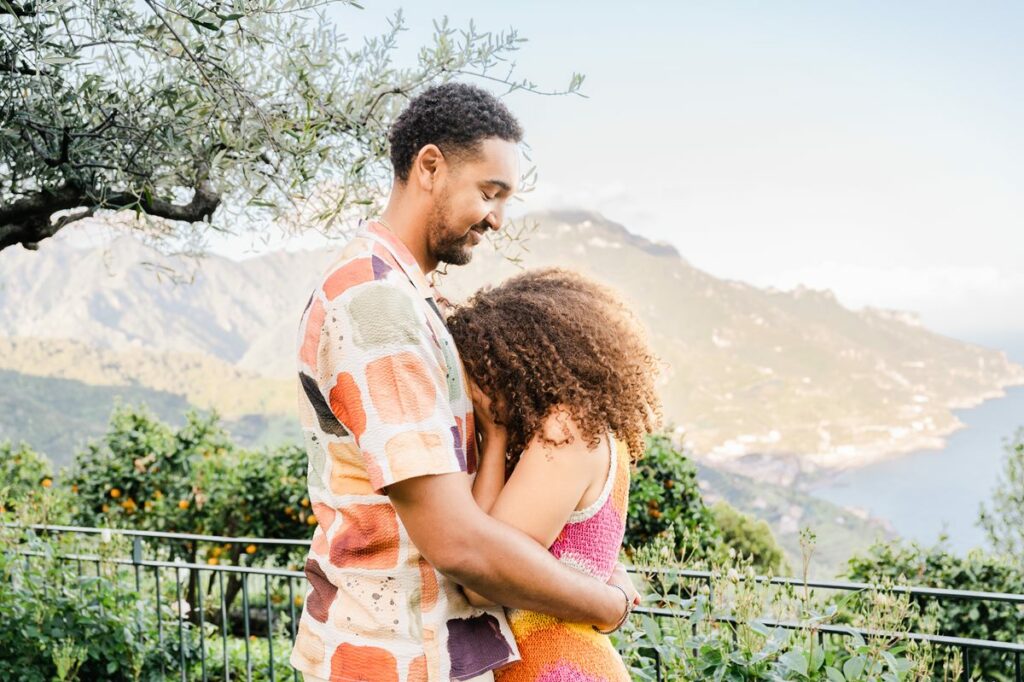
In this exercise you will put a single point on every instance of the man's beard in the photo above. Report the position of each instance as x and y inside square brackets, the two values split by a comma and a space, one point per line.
[444, 246]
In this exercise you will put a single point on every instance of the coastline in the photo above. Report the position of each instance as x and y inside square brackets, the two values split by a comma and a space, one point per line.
[813, 469]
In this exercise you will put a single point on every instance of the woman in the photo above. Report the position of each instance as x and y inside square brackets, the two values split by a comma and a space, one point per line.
[563, 385]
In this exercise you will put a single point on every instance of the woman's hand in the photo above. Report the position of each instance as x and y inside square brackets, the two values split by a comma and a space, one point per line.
[494, 436]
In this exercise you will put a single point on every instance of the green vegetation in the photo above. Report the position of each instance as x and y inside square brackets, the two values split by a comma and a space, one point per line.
[665, 501]
[724, 628]
[911, 564]
[247, 107]
[1003, 520]
[146, 474]
[59, 625]
[664, 498]
[749, 537]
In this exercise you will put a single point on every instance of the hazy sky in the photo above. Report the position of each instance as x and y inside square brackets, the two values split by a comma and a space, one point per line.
[871, 148]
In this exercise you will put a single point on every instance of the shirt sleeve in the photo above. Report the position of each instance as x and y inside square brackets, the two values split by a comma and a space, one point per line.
[385, 379]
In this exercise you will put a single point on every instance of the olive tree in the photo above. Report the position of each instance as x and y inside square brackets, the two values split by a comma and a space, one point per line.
[192, 115]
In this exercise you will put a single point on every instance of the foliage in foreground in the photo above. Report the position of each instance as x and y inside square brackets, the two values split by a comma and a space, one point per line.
[725, 628]
[65, 626]
[937, 566]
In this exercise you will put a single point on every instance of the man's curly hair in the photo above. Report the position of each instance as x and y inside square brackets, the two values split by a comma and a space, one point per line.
[454, 116]
[550, 339]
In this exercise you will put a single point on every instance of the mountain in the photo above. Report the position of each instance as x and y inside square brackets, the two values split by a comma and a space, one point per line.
[760, 380]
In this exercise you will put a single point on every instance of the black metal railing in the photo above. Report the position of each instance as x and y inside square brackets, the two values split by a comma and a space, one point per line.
[281, 590]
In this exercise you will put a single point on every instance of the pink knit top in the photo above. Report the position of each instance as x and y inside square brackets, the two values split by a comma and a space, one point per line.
[554, 650]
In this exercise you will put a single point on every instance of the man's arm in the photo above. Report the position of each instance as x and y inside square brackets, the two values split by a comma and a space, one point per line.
[501, 563]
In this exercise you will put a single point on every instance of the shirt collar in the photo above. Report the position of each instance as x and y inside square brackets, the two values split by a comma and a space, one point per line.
[406, 261]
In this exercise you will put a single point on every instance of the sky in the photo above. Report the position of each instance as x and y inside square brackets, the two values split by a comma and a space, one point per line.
[871, 148]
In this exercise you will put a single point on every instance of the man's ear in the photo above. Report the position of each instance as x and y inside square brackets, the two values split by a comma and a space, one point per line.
[426, 166]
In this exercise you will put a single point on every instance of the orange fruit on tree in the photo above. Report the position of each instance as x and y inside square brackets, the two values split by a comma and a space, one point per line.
[182, 504]
[251, 549]
[47, 482]
[115, 493]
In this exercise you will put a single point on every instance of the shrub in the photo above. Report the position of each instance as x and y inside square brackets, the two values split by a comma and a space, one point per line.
[664, 498]
[65, 626]
[719, 628]
[937, 566]
[749, 537]
[1003, 521]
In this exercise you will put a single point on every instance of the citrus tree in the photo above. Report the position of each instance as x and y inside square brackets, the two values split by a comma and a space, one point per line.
[147, 475]
[24, 473]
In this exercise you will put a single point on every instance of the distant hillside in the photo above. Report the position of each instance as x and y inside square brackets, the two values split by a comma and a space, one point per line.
[59, 416]
[753, 372]
[204, 381]
[751, 375]
[839, 533]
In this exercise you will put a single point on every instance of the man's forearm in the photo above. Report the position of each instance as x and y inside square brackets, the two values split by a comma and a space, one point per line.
[508, 567]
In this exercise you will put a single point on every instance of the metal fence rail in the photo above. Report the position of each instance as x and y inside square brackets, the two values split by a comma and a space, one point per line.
[259, 625]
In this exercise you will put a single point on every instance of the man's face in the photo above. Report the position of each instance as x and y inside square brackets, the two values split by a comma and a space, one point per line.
[471, 200]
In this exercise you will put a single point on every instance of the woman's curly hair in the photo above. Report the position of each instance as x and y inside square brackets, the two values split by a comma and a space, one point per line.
[552, 338]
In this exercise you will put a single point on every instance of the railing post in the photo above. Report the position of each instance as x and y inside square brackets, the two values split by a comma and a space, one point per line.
[137, 566]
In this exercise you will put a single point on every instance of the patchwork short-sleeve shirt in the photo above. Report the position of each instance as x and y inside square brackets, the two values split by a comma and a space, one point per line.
[382, 398]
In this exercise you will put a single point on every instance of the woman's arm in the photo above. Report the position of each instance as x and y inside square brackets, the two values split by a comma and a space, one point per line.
[545, 487]
[490, 476]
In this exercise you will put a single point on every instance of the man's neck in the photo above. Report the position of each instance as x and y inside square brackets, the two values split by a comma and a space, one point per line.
[411, 229]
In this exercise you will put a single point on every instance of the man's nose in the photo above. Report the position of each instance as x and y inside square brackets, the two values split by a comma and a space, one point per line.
[496, 219]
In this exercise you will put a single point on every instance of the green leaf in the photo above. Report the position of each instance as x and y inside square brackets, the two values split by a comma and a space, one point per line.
[795, 660]
[854, 667]
[834, 675]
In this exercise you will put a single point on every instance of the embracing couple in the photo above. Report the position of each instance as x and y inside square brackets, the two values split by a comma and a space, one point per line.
[468, 467]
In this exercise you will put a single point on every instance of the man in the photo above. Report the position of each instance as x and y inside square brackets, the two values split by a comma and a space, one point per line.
[389, 427]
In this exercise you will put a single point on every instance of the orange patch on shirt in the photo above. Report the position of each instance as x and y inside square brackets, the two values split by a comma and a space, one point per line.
[401, 388]
[354, 662]
[428, 578]
[309, 645]
[348, 474]
[324, 515]
[416, 453]
[311, 338]
[347, 405]
[320, 544]
[417, 669]
[367, 538]
[348, 275]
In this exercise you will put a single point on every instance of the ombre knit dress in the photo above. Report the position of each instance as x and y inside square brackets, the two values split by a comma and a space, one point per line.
[554, 650]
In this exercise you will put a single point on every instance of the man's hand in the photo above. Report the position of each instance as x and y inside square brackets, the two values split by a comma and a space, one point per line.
[620, 578]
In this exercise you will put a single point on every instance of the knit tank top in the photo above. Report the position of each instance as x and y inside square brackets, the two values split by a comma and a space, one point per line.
[553, 650]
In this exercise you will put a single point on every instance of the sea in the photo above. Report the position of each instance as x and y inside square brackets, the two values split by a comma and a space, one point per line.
[929, 493]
